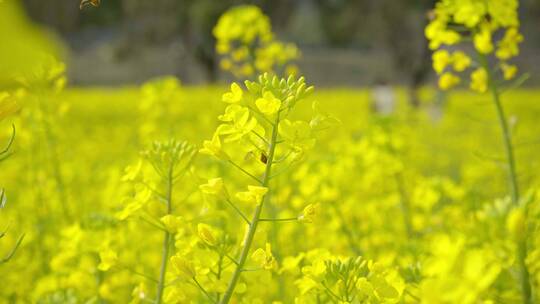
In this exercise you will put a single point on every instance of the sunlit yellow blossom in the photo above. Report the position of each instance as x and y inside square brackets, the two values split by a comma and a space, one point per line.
[448, 81]
[516, 223]
[235, 95]
[240, 53]
[182, 267]
[509, 71]
[132, 172]
[223, 47]
[438, 34]
[268, 104]
[460, 61]
[134, 204]
[207, 234]
[483, 41]
[310, 213]
[171, 222]
[441, 59]
[469, 13]
[213, 148]
[297, 133]
[139, 294]
[108, 259]
[264, 257]
[225, 64]
[246, 41]
[239, 123]
[508, 46]
[254, 195]
[479, 80]
[214, 186]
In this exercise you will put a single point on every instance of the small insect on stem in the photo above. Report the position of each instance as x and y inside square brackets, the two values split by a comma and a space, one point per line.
[264, 158]
[89, 2]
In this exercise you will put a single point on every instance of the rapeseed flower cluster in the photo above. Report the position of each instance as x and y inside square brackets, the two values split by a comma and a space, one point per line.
[248, 46]
[455, 21]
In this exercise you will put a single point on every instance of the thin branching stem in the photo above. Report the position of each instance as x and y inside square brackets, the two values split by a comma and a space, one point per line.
[253, 110]
[231, 258]
[167, 236]
[149, 278]
[405, 204]
[10, 142]
[255, 219]
[260, 137]
[521, 245]
[151, 223]
[290, 219]
[13, 250]
[238, 211]
[245, 172]
[203, 290]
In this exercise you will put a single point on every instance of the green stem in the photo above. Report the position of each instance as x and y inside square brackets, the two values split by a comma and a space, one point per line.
[231, 258]
[524, 272]
[507, 144]
[13, 250]
[237, 210]
[507, 138]
[278, 219]
[52, 145]
[203, 290]
[255, 219]
[218, 274]
[512, 179]
[10, 142]
[351, 238]
[405, 205]
[167, 236]
[245, 171]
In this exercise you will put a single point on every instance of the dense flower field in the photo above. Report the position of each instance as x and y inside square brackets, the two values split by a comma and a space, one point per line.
[273, 191]
[418, 206]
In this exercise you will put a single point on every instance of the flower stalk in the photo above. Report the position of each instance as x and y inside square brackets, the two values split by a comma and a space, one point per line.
[167, 237]
[521, 245]
[255, 218]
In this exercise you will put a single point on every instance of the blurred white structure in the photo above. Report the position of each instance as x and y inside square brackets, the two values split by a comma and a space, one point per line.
[383, 99]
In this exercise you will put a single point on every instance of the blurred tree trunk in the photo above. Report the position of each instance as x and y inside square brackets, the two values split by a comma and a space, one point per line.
[340, 20]
[279, 11]
[147, 22]
[402, 32]
[197, 20]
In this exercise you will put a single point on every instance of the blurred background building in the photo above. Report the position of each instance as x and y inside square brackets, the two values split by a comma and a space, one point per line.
[344, 42]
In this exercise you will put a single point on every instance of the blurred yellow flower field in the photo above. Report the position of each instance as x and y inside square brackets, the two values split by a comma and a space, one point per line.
[269, 189]
[421, 198]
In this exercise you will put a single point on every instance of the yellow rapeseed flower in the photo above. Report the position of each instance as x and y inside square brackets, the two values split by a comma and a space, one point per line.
[264, 257]
[214, 186]
[460, 61]
[108, 259]
[479, 80]
[509, 71]
[207, 234]
[182, 267]
[268, 104]
[483, 40]
[254, 195]
[309, 214]
[441, 59]
[448, 81]
[235, 95]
